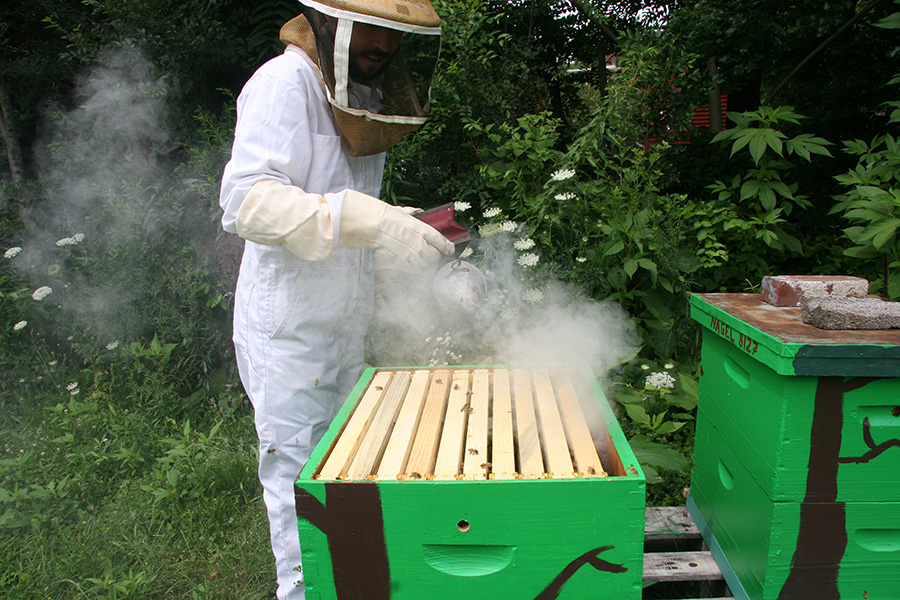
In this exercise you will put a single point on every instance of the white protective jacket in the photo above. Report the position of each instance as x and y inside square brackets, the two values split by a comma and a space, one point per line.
[299, 324]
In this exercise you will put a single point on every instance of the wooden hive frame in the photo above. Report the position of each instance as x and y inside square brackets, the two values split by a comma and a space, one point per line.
[465, 424]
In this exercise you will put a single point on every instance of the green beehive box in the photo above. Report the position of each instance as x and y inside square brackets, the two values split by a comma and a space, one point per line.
[797, 450]
[475, 483]
[759, 537]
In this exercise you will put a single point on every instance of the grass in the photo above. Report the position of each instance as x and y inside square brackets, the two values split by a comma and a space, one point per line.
[102, 500]
[113, 484]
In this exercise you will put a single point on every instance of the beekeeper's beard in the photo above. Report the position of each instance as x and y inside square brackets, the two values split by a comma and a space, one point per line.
[368, 74]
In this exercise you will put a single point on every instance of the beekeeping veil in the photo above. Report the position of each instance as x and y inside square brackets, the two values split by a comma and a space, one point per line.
[372, 112]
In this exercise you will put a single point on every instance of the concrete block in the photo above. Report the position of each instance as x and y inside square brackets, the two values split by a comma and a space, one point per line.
[850, 313]
[787, 290]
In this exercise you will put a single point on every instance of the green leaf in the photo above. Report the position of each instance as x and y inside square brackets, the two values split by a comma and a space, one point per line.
[617, 247]
[684, 402]
[767, 197]
[861, 252]
[758, 147]
[750, 188]
[658, 455]
[894, 287]
[791, 242]
[657, 307]
[12, 519]
[773, 140]
[690, 386]
[891, 21]
[651, 474]
[805, 144]
[669, 427]
[630, 267]
[724, 135]
[884, 232]
[781, 188]
[637, 413]
[744, 138]
[628, 395]
[871, 191]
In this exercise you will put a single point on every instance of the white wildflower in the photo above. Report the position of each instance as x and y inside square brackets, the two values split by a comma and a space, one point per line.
[492, 212]
[660, 380]
[508, 226]
[524, 244]
[74, 392]
[563, 174]
[529, 260]
[12, 252]
[532, 296]
[20, 325]
[581, 259]
[112, 345]
[52, 363]
[669, 366]
[70, 241]
[508, 314]
[460, 206]
[42, 292]
[466, 253]
[645, 367]
[72, 386]
[565, 196]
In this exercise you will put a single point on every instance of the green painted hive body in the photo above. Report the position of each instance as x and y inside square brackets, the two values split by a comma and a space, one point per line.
[444, 484]
[797, 452]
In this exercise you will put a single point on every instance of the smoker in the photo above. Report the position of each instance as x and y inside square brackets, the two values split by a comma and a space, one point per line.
[797, 452]
[476, 483]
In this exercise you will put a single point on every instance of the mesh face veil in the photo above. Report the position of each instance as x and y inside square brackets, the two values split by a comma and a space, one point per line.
[377, 59]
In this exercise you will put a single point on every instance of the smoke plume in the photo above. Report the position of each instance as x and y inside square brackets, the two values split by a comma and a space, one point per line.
[117, 210]
[528, 319]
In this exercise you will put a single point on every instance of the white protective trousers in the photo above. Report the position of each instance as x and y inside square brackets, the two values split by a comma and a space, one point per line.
[299, 325]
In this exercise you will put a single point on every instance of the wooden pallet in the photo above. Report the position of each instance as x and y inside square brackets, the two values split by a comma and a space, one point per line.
[676, 561]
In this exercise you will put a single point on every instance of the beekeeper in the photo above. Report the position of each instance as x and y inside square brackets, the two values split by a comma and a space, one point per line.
[301, 189]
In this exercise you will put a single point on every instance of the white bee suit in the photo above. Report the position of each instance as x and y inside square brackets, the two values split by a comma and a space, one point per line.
[298, 324]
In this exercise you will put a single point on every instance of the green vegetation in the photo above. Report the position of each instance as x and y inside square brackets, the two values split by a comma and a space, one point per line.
[127, 449]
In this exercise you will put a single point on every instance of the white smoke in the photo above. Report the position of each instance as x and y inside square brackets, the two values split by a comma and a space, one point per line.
[527, 320]
[110, 196]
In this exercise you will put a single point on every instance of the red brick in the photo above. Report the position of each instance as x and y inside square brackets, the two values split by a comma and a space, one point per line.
[788, 290]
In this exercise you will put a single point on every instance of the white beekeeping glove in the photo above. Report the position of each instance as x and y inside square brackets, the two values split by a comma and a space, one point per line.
[405, 241]
[277, 214]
